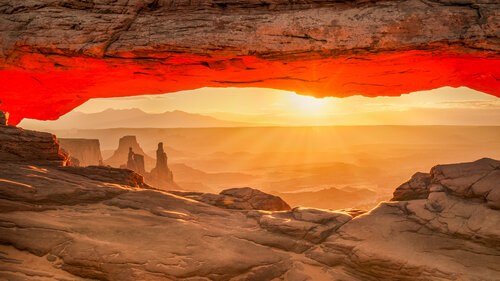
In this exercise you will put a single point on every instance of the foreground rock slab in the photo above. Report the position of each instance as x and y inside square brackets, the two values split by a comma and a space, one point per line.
[63, 224]
[107, 231]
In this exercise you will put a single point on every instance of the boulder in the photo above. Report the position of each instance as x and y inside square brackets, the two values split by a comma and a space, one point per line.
[416, 188]
[477, 181]
[245, 198]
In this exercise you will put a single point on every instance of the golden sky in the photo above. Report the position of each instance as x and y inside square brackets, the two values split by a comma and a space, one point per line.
[444, 106]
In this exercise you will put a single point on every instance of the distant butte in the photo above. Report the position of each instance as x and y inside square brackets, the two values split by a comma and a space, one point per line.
[321, 48]
[86, 151]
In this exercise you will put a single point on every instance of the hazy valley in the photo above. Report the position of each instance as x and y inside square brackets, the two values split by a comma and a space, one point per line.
[324, 167]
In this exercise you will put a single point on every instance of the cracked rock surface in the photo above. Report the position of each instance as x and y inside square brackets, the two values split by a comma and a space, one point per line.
[58, 224]
[477, 181]
[64, 223]
[271, 29]
[105, 231]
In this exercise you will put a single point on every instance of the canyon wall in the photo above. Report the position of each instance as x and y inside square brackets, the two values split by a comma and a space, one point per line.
[87, 151]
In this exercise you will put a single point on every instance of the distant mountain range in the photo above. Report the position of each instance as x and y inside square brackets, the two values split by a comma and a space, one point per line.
[131, 118]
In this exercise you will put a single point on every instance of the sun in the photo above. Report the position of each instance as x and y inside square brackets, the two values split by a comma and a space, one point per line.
[306, 105]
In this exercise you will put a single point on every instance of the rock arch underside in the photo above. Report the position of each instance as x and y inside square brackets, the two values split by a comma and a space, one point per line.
[57, 54]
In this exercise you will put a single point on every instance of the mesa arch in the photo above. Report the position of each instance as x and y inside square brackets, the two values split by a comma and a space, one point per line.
[57, 54]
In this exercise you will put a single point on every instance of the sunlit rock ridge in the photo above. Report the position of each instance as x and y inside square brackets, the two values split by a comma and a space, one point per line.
[55, 55]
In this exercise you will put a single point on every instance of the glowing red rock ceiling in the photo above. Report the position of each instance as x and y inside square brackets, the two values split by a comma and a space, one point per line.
[57, 54]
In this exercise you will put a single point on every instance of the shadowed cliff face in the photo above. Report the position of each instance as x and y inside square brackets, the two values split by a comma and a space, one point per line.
[57, 54]
[17, 144]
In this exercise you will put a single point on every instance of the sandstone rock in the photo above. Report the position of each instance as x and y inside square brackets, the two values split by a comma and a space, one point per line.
[74, 161]
[139, 27]
[479, 180]
[96, 230]
[135, 162]
[87, 151]
[319, 216]
[109, 174]
[21, 265]
[353, 212]
[17, 144]
[120, 156]
[439, 238]
[312, 225]
[253, 199]
[81, 223]
[4, 118]
[245, 198]
[89, 49]
[40, 187]
[416, 188]
[161, 176]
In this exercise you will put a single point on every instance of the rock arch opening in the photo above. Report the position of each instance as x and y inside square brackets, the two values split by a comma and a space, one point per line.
[112, 49]
[304, 149]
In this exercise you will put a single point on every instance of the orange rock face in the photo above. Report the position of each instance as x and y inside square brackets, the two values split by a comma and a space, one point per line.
[19, 145]
[57, 55]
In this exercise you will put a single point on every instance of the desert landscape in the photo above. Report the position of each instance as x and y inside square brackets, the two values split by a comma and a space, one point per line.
[322, 167]
[249, 140]
[63, 222]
